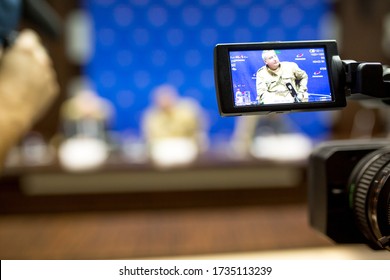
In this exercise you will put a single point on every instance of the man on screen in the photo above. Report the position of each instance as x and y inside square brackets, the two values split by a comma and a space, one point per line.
[280, 82]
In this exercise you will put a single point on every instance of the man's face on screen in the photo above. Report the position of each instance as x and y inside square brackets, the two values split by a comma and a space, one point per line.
[272, 60]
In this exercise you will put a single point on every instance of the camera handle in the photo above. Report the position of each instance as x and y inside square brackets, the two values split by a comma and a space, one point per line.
[362, 80]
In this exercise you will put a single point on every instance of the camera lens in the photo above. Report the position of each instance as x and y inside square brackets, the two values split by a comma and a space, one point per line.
[369, 197]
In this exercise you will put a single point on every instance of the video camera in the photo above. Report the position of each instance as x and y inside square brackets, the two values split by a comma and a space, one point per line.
[349, 185]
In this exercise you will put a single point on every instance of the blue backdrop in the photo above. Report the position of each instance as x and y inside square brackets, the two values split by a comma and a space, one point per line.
[140, 44]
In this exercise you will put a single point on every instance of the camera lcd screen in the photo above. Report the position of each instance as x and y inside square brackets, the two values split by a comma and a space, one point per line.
[297, 75]
[278, 77]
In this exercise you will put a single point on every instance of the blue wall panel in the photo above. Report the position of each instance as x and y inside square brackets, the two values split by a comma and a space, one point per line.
[140, 44]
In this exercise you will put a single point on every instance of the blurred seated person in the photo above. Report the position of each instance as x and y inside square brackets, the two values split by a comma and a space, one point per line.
[28, 86]
[84, 119]
[173, 128]
[86, 114]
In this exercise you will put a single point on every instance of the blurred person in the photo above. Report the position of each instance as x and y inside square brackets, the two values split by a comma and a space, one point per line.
[28, 86]
[86, 114]
[280, 82]
[173, 127]
[84, 118]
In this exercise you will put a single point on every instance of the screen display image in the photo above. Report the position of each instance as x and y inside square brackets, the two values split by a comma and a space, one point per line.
[279, 76]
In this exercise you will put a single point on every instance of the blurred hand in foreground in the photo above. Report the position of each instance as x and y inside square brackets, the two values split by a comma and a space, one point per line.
[28, 86]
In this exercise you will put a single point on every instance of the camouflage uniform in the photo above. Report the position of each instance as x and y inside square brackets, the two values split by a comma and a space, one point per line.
[271, 85]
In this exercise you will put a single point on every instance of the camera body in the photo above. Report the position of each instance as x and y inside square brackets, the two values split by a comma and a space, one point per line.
[349, 181]
[333, 170]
